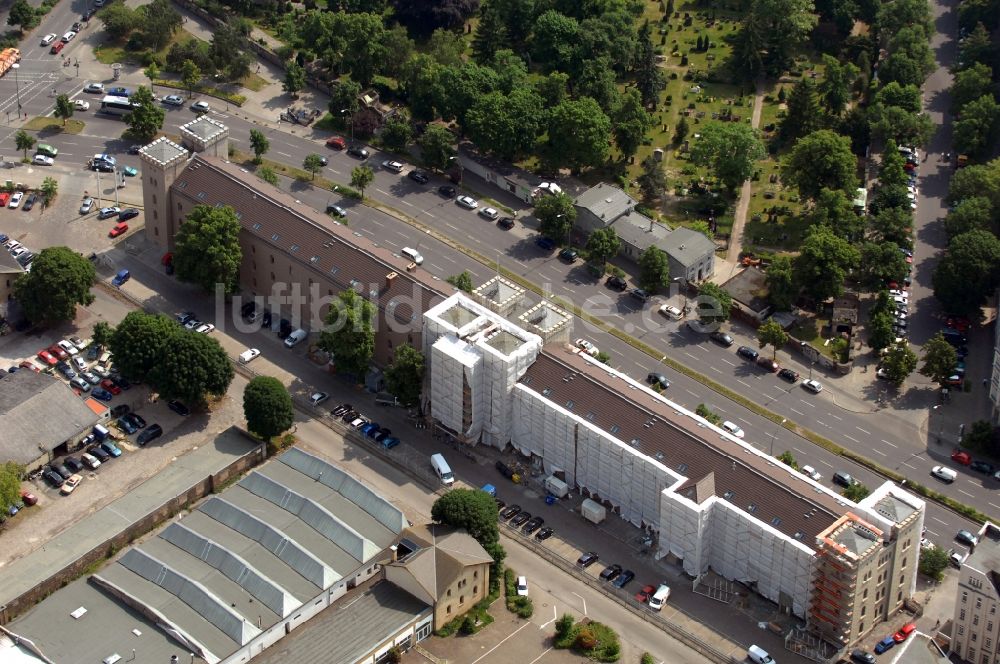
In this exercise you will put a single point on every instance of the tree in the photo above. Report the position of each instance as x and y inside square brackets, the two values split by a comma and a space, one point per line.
[405, 376]
[602, 245]
[681, 130]
[552, 88]
[554, 40]
[974, 213]
[654, 269]
[10, 485]
[152, 72]
[821, 159]
[881, 262]
[437, 146]
[207, 250]
[462, 282]
[899, 363]
[158, 23]
[979, 437]
[804, 115]
[191, 367]
[397, 133]
[119, 20]
[977, 47]
[880, 332]
[788, 459]
[344, 96]
[714, 304]
[906, 97]
[295, 79]
[781, 287]
[190, 76]
[939, 359]
[425, 16]
[59, 280]
[833, 209]
[838, 77]
[146, 117]
[823, 263]
[771, 30]
[893, 225]
[22, 15]
[313, 163]
[138, 341]
[968, 273]
[977, 180]
[652, 180]
[730, 149]
[772, 334]
[349, 335]
[267, 407]
[361, 177]
[259, 144]
[102, 334]
[900, 125]
[976, 129]
[49, 190]
[268, 175]
[631, 122]
[970, 84]
[555, 215]
[933, 562]
[855, 492]
[579, 134]
[650, 79]
[24, 141]
[475, 511]
[506, 125]
[63, 109]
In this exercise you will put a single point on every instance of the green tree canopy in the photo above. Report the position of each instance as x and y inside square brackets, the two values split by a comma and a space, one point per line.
[823, 263]
[60, 279]
[295, 79]
[476, 512]
[102, 334]
[437, 146]
[259, 144]
[939, 359]
[10, 484]
[554, 41]
[579, 135]
[555, 214]
[900, 125]
[22, 15]
[906, 97]
[191, 367]
[631, 122]
[138, 343]
[781, 286]
[602, 245]
[267, 407]
[855, 492]
[462, 281]
[506, 125]
[933, 562]
[652, 180]
[772, 334]
[976, 180]
[804, 115]
[190, 76]
[119, 20]
[714, 304]
[24, 141]
[268, 175]
[971, 214]
[838, 78]
[821, 159]
[158, 22]
[976, 129]
[730, 149]
[146, 117]
[397, 133]
[893, 225]
[970, 84]
[654, 269]
[880, 333]
[63, 109]
[770, 32]
[968, 273]
[207, 250]
[405, 376]
[881, 262]
[361, 177]
[49, 190]
[899, 363]
[349, 333]
[313, 163]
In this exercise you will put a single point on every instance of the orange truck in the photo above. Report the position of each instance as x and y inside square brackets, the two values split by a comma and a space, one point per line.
[7, 59]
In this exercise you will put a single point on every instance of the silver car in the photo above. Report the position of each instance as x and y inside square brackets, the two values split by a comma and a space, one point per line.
[468, 202]
[87, 206]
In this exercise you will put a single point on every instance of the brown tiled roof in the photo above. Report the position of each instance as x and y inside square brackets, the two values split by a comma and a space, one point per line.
[743, 478]
[332, 250]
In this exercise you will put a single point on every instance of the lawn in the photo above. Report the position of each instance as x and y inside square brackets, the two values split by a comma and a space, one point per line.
[48, 126]
[108, 52]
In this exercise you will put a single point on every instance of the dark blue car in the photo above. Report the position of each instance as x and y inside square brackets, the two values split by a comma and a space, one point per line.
[883, 645]
[390, 442]
[545, 243]
[101, 393]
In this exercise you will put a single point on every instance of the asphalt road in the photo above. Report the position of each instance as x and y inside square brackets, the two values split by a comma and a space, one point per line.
[894, 439]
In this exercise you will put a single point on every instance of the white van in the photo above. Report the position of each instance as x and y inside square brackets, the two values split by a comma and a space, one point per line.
[295, 337]
[758, 655]
[412, 254]
[660, 597]
[442, 469]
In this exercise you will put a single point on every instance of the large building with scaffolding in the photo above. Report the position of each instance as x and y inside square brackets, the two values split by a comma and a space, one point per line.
[713, 501]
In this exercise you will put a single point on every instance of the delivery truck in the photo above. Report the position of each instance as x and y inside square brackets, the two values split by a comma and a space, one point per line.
[593, 511]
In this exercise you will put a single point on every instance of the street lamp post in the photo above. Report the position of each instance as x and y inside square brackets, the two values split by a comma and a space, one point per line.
[17, 87]
[682, 283]
[774, 432]
[350, 114]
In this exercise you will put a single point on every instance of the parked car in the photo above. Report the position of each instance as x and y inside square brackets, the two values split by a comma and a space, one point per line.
[842, 478]
[108, 212]
[150, 433]
[568, 255]
[967, 538]
[982, 467]
[87, 206]
[200, 107]
[643, 595]
[119, 229]
[624, 578]
[733, 429]
[490, 214]
[611, 572]
[394, 166]
[615, 282]
[944, 474]
[885, 644]
[531, 526]
[587, 559]
[128, 213]
[671, 312]
[587, 347]
[42, 160]
[110, 448]
[657, 379]
[722, 339]
[811, 473]
[248, 355]
[520, 518]
[904, 632]
[467, 202]
[358, 151]
[178, 408]
[316, 398]
[747, 353]
[73, 464]
[812, 385]
[70, 484]
[447, 191]
[173, 100]
[545, 243]
[336, 142]
[544, 534]
[789, 375]
[54, 479]
[506, 223]
[419, 176]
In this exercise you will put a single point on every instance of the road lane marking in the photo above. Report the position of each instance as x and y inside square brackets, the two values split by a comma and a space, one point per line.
[822, 424]
[994, 506]
[867, 433]
[939, 521]
[854, 439]
[696, 396]
[690, 355]
[826, 463]
[728, 362]
[433, 217]
[888, 443]
[383, 192]
[285, 154]
[745, 421]
[438, 268]
[811, 405]
[744, 383]
[878, 451]
[839, 419]
[501, 642]
[716, 370]
[966, 493]
[406, 202]
[797, 412]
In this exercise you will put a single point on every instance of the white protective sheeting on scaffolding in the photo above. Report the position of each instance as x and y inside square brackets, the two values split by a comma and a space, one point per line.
[455, 370]
[544, 430]
[501, 373]
[682, 526]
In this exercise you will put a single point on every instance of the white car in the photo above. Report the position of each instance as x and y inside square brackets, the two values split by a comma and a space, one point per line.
[733, 429]
[68, 347]
[15, 200]
[671, 312]
[173, 100]
[522, 586]
[587, 347]
[200, 107]
[812, 385]
[248, 355]
[48, 39]
[87, 206]
[393, 166]
[468, 202]
[96, 88]
[489, 213]
[895, 292]
[316, 398]
[811, 473]
[81, 105]
[78, 362]
[43, 160]
[68, 37]
[205, 328]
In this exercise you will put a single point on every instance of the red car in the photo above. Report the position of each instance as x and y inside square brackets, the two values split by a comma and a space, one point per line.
[4, 198]
[644, 594]
[964, 458]
[48, 358]
[29, 365]
[959, 323]
[120, 229]
[111, 386]
[28, 498]
[904, 632]
[336, 142]
[58, 352]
